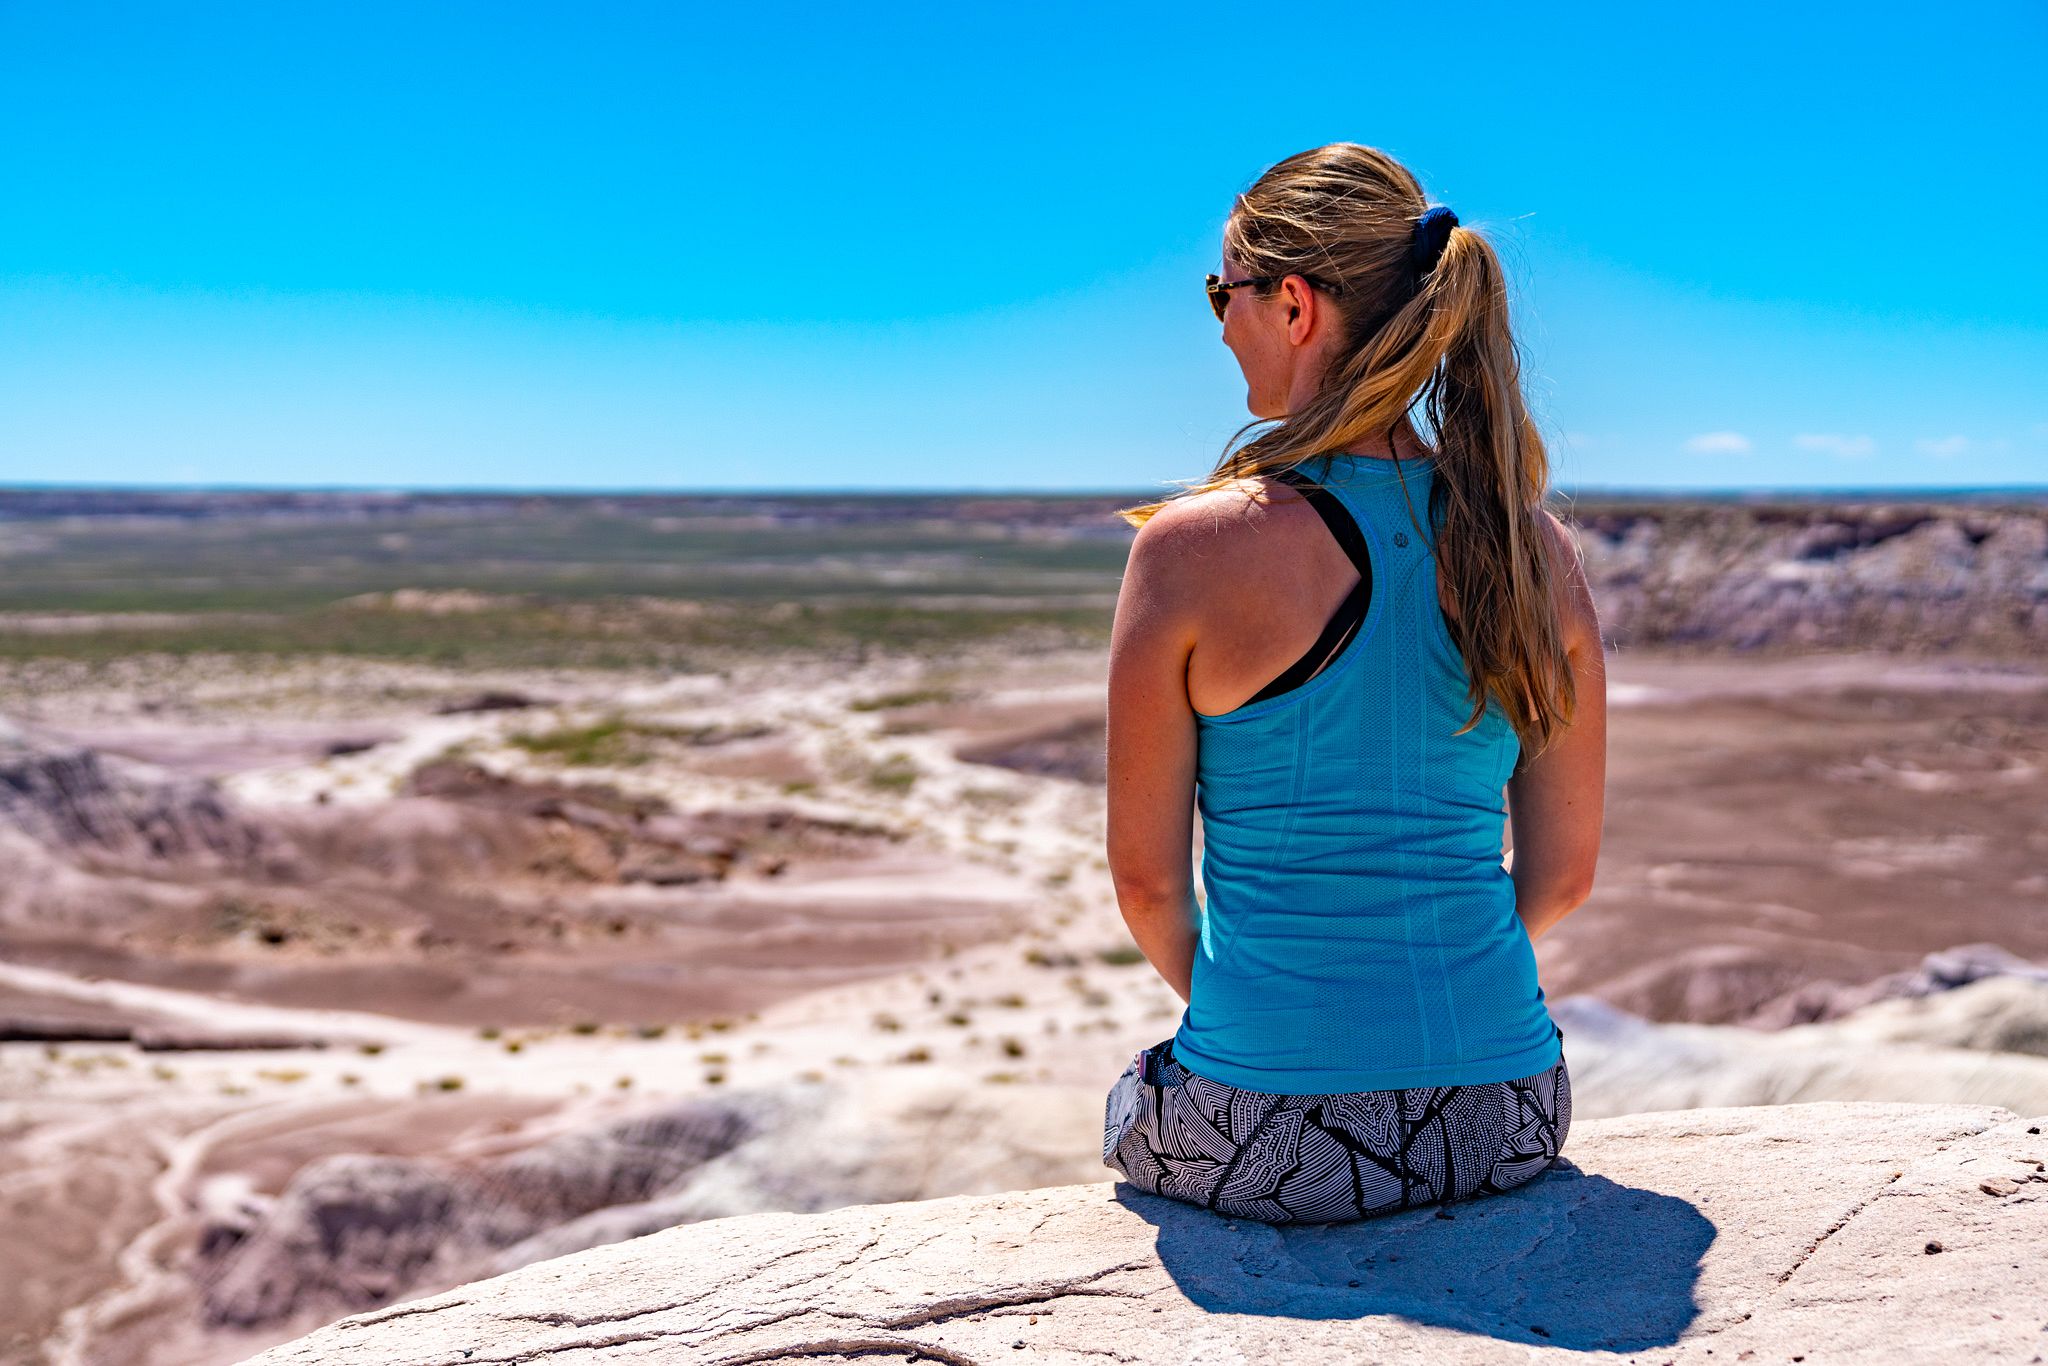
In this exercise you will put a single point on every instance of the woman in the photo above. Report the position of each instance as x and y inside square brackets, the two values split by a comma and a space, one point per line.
[1360, 651]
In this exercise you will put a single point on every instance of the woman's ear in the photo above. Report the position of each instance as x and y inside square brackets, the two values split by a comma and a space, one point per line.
[1301, 310]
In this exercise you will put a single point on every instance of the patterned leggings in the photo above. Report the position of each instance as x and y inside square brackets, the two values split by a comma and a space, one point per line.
[1328, 1158]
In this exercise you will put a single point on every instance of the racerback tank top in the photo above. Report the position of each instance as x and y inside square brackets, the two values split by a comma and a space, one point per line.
[1359, 931]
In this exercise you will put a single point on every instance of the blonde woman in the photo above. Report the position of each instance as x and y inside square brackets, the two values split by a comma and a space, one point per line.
[1365, 651]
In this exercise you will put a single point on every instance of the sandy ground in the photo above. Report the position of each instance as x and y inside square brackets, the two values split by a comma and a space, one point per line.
[1825, 819]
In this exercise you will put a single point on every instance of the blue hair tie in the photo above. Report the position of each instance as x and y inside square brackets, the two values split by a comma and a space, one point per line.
[1432, 231]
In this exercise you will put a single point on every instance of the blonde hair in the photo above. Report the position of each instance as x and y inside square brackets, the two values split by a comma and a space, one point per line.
[1345, 215]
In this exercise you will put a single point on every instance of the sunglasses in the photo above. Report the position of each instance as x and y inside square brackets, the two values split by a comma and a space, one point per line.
[1219, 288]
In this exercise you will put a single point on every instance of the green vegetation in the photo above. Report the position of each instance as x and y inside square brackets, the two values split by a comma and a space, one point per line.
[912, 698]
[606, 742]
[606, 582]
[616, 741]
[896, 773]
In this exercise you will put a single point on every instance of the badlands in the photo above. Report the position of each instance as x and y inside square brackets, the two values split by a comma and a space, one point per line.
[367, 944]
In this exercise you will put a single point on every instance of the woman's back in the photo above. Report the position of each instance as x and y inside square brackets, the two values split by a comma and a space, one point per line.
[1360, 930]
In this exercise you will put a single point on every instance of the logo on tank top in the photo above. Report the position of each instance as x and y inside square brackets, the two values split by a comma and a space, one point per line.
[1401, 539]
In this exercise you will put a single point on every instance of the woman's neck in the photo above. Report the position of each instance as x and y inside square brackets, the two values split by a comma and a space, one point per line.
[1406, 444]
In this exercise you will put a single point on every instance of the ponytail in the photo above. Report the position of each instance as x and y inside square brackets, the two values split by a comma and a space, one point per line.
[1499, 559]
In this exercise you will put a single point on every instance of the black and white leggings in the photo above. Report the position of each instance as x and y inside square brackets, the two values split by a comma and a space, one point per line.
[1328, 1158]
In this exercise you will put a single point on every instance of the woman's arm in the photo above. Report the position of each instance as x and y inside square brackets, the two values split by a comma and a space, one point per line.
[1556, 804]
[1151, 745]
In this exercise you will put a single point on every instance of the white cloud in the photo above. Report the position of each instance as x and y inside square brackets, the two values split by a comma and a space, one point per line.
[1834, 443]
[1944, 448]
[1719, 443]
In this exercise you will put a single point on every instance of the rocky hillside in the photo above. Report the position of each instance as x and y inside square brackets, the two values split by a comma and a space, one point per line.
[1825, 1232]
[72, 797]
[1906, 577]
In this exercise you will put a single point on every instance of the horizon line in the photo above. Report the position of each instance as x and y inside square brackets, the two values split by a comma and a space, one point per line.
[932, 491]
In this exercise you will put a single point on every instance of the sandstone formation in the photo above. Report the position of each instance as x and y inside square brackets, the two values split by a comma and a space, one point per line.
[1910, 575]
[1827, 1233]
[468, 895]
[1943, 970]
[1985, 1043]
[72, 797]
[352, 1232]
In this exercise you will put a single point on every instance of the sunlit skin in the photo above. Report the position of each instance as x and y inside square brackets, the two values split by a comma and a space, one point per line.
[1223, 590]
[1282, 342]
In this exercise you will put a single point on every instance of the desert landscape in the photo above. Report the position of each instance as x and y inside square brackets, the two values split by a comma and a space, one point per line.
[406, 889]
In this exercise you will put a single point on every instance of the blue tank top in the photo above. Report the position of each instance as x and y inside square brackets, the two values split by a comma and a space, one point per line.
[1359, 931]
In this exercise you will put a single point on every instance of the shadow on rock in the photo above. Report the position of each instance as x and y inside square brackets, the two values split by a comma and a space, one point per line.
[1569, 1260]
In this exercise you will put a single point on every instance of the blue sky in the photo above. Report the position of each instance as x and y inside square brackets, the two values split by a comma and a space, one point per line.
[777, 246]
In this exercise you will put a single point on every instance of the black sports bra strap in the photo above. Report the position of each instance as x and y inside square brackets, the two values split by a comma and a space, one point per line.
[1336, 516]
[1344, 623]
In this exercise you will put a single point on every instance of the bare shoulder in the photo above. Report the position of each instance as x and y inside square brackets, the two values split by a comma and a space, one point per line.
[1211, 538]
[1575, 590]
[1213, 512]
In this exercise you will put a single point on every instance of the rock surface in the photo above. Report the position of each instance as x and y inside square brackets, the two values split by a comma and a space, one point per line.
[1825, 1232]
[352, 1231]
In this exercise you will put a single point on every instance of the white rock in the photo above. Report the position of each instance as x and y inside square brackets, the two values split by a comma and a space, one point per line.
[1759, 1233]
